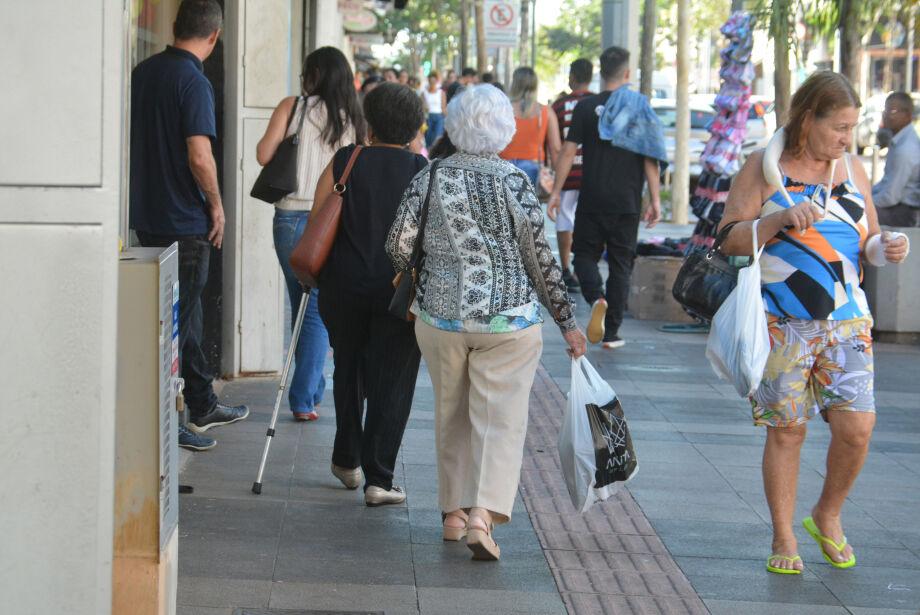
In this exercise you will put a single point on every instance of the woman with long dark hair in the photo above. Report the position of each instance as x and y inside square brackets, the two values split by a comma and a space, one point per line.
[327, 116]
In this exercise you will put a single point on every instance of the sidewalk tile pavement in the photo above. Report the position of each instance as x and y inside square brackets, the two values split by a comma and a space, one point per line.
[689, 534]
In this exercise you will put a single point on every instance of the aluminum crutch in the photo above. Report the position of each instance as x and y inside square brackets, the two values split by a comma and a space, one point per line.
[295, 337]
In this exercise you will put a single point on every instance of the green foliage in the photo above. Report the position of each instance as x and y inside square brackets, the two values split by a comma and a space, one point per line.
[577, 34]
[433, 30]
[707, 16]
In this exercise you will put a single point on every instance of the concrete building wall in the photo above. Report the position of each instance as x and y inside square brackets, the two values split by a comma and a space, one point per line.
[61, 126]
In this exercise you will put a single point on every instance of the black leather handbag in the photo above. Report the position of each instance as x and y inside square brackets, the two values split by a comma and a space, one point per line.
[279, 177]
[405, 280]
[705, 279]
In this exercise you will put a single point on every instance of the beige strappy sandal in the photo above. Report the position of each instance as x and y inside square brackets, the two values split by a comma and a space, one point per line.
[455, 534]
[482, 545]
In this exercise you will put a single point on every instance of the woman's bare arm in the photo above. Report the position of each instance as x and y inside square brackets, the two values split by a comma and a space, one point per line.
[275, 132]
[323, 189]
[745, 199]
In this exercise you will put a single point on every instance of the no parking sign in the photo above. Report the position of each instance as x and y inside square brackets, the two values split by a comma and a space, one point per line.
[502, 22]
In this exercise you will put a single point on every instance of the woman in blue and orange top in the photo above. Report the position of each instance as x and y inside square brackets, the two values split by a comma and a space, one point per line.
[819, 226]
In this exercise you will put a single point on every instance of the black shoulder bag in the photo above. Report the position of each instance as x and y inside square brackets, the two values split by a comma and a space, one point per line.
[405, 280]
[279, 177]
[705, 279]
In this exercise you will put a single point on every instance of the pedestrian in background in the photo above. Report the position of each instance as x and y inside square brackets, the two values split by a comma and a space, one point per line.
[537, 132]
[175, 195]
[897, 195]
[449, 78]
[327, 116]
[376, 356]
[487, 269]
[469, 76]
[390, 75]
[580, 72]
[610, 197]
[819, 322]
[435, 103]
[403, 76]
[490, 79]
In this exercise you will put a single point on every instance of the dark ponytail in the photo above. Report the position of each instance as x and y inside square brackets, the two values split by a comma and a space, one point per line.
[327, 74]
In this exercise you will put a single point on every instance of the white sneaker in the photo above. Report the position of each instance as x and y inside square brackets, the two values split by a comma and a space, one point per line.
[350, 477]
[615, 341]
[378, 496]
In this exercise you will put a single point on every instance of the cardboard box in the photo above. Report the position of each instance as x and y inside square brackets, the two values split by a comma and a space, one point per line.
[650, 295]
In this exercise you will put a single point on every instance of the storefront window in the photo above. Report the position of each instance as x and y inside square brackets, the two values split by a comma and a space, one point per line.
[151, 27]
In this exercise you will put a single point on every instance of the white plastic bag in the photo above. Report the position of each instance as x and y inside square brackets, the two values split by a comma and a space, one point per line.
[595, 448]
[739, 342]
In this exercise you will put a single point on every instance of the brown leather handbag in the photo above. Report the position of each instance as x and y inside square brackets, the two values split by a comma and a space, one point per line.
[312, 250]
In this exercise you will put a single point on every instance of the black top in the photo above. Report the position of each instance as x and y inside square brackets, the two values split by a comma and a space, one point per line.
[171, 100]
[612, 178]
[358, 262]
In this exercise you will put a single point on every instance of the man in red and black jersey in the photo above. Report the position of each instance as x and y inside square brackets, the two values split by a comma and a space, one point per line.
[580, 72]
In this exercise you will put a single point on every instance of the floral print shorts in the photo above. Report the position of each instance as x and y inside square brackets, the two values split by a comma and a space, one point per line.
[815, 365]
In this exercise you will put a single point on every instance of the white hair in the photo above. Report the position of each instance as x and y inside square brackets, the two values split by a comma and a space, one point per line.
[480, 120]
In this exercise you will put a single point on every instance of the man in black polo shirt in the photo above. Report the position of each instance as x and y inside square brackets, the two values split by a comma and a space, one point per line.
[609, 204]
[174, 190]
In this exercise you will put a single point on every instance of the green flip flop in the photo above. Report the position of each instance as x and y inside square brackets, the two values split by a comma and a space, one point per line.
[809, 524]
[791, 559]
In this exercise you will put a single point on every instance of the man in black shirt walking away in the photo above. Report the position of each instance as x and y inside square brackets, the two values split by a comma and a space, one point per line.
[610, 199]
[174, 191]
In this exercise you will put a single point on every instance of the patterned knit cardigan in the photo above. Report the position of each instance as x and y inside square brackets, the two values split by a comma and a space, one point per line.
[485, 248]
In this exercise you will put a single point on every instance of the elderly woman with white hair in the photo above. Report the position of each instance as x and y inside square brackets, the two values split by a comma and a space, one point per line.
[487, 268]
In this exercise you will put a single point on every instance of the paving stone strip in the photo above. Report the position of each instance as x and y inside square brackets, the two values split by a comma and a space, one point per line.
[608, 560]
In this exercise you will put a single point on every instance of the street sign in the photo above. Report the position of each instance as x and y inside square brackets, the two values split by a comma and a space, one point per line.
[502, 22]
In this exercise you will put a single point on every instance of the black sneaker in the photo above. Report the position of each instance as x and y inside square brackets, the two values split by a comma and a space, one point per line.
[571, 282]
[220, 415]
[613, 341]
[193, 441]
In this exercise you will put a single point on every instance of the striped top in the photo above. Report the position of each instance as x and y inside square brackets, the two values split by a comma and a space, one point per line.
[564, 107]
[816, 276]
[313, 152]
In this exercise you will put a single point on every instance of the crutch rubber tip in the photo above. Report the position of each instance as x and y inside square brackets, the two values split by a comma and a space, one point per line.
[257, 488]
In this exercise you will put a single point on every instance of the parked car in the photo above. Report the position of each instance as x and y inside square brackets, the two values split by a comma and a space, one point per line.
[761, 125]
[701, 116]
[870, 119]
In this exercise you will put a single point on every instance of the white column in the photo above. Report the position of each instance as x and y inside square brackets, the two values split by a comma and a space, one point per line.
[261, 68]
[258, 75]
[60, 188]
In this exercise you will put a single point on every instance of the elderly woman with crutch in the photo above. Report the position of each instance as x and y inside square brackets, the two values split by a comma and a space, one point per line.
[487, 268]
[819, 227]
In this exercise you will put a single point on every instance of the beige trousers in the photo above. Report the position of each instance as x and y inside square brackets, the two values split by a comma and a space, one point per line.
[482, 388]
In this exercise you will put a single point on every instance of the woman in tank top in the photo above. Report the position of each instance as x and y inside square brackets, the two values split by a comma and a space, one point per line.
[333, 118]
[537, 137]
[433, 95]
[818, 225]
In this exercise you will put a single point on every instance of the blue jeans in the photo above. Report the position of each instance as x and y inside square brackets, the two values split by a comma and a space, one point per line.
[435, 128]
[530, 167]
[308, 383]
[194, 259]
